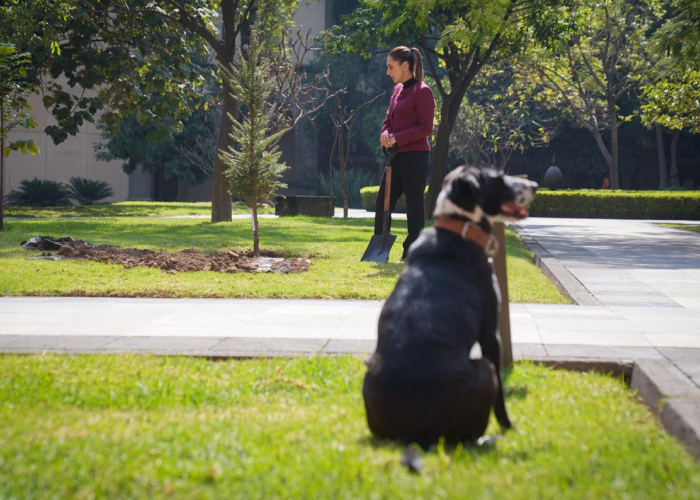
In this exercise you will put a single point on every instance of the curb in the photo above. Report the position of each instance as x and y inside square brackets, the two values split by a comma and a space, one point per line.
[673, 397]
[566, 283]
[660, 385]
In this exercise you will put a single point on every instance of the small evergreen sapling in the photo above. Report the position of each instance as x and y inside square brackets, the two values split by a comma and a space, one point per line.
[253, 166]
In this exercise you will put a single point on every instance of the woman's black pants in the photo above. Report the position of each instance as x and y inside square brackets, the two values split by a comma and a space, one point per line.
[408, 175]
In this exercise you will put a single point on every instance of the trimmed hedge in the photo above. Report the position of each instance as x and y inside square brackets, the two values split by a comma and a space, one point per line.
[369, 195]
[597, 204]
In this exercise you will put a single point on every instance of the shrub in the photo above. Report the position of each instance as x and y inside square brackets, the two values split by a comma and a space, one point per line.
[36, 193]
[355, 180]
[86, 191]
[606, 204]
[596, 204]
[369, 195]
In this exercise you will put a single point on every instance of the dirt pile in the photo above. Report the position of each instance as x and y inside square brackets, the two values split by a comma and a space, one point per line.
[185, 260]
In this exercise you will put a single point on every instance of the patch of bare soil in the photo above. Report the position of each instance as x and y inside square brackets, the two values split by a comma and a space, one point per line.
[185, 260]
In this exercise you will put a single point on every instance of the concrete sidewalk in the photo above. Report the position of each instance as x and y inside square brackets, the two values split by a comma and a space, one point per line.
[265, 327]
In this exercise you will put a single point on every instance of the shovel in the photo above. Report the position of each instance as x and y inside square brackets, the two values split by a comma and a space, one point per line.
[380, 244]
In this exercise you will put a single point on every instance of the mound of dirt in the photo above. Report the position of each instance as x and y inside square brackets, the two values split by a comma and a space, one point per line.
[185, 260]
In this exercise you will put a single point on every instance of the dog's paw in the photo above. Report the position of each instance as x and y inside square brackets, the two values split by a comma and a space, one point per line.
[411, 459]
[488, 440]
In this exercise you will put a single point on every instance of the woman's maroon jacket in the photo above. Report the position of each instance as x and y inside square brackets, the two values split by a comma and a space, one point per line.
[410, 116]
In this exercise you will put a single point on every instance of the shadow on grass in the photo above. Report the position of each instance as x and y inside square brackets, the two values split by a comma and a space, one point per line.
[450, 449]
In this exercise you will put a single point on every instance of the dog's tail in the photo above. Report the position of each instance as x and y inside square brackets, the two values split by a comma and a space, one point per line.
[411, 458]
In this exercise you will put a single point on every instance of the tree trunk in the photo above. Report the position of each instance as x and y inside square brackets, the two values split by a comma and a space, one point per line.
[663, 173]
[342, 156]
[2, 165]
[256, 233]
[673, 173]
[220, 196]
[160, 185]
[614, 149]
[448, 116]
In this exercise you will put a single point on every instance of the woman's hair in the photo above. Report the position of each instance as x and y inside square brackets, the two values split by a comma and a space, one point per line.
[412, 57]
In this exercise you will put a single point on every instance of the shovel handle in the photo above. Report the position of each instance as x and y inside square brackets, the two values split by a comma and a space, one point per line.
[389, 153]
[387, 188]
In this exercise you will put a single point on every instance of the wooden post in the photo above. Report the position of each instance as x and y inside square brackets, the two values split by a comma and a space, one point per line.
[499, 262]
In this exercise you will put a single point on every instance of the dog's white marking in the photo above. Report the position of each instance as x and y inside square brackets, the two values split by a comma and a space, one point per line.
[444, 207]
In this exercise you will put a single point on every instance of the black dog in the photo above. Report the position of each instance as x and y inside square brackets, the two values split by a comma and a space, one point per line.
[421, 384]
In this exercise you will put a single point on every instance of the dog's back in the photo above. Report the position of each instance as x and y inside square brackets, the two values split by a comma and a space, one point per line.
[433, 316]
[427, 328]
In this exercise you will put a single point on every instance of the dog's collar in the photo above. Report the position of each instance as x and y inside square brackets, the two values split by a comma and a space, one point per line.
[469, 231]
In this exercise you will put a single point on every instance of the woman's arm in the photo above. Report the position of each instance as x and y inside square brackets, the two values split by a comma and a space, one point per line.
[386, 126]
[425, 114]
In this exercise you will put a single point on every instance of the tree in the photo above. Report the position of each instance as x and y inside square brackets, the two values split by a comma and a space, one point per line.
[596, 65]
[344, 121]
[14, 110]
[672, 103]
[671, 99]
[142, 57]
[679, 37]
[252, 159]
[503, 113]
[187, 155]
[458, 38]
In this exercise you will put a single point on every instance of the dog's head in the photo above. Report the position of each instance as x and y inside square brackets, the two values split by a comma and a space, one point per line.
[484, 196]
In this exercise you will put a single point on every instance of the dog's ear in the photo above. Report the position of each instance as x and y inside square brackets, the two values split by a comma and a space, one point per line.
[495, 192]
[463, 188]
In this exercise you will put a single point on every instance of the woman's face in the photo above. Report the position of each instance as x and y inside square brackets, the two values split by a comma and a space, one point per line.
[397, 72]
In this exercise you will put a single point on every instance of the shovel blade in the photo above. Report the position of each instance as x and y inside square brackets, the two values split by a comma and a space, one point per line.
[379, 248]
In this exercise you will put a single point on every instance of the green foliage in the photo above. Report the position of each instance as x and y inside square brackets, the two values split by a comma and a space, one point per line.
[39, 193]
[254, 168]
[362, 79]
[605, 204]
[504, 112]
[596, 64]
[369, 196]
[187, 155]
[146, 59]
[596, 204]
[679, 37]
[673, 102]
[14, 88]
[86, 191]
[355, 180]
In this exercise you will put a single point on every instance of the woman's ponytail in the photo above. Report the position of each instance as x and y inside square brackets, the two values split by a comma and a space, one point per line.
[403, 54]
[418, 65]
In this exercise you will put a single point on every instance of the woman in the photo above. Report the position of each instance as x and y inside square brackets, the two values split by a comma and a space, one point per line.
[408, 123]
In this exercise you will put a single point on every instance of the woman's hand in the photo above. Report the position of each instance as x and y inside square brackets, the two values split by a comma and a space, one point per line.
[384, 139]
[387, 140]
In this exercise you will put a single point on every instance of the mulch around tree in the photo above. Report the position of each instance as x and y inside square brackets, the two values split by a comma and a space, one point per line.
[182, 261]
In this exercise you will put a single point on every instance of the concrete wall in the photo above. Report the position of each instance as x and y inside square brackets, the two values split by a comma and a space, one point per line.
[75, 157]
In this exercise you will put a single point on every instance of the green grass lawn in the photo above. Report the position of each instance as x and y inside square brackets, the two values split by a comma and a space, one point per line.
[142, 426]
[125, 209]
[684, 227]
[334, 245]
